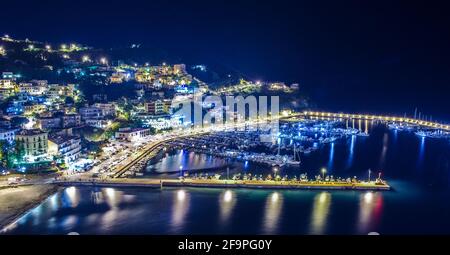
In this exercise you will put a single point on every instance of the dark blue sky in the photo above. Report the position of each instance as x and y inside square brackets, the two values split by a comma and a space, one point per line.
[377, 57]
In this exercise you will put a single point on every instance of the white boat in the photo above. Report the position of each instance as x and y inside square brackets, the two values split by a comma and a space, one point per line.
[294, 161]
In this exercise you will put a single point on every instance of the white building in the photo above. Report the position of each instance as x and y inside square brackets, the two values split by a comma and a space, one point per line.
[47, 123]
[90, 112]
[33, 142]
[66, 147]
[161, 121]
[98, 122]
[8, 134]
[71, 120]
[132, 135]
[6, 84]
[32, 89]
[107, 109]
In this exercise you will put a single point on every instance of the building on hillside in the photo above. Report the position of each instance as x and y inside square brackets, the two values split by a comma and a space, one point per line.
[33, 143]
[32, 89]
[108, 109]
[179, 69]
[6, 84]
[8, 134]
[98, 123]
[132, 134]
[160, 122]
[66, 149]
[71, 120]
[158, 107]
[47, 123]
[31, 108]
[90, 112]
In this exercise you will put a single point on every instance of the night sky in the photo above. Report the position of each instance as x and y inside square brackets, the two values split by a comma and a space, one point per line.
[379, 57]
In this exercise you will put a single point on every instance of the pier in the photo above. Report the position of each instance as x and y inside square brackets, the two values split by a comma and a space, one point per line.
[213, 183]
[412, 121]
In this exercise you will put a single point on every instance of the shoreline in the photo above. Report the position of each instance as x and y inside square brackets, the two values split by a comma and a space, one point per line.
[20, 211]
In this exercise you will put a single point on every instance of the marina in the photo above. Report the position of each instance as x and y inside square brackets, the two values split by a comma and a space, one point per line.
[294, 139]
[412, 166]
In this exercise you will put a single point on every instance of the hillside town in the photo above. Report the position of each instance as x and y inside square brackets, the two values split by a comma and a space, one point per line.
[61, 104]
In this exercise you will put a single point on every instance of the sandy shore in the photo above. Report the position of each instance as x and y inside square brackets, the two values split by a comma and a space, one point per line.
[14, 202]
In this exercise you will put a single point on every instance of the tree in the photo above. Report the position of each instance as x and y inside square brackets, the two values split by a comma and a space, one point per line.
[69, 101]
[3, 152]
[19, 150]
[7, 153]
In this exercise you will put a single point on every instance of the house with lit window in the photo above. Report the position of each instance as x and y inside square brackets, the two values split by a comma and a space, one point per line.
[33, 143]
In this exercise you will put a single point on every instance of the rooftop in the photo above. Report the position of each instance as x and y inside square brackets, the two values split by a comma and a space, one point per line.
[30, 132]
[59, 139]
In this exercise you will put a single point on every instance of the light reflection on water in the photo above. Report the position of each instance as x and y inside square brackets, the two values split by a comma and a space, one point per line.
[331, 157]
[384, 151]
[181, 205]
[351, 151]
[320, 212]
[273, 209]
[227, 201]
[71, 197]
[421, 155]
[370, 209]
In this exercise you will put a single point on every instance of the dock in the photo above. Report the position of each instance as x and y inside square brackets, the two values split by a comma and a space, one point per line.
[213, 183]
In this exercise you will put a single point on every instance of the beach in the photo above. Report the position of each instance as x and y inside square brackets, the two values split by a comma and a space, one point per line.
[14, 202]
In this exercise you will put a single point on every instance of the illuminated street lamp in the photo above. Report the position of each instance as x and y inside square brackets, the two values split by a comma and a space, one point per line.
[324, 171]
[48, 47]
[275, 170]
[370, 171]
[103, 61]
[85, 58]
[181, 171]
[31, 47]
[63, 46]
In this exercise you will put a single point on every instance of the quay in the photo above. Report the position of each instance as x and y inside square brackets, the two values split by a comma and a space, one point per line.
[424, 123]
[212, 183]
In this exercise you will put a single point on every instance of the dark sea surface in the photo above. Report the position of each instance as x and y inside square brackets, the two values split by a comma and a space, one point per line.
[417, 168]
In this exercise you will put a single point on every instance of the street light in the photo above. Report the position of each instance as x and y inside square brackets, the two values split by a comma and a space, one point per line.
[85, 58]
[48, 47]
[324, 171]
[103, 61]
[181, 170]
[275, 170]
[369, 174]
